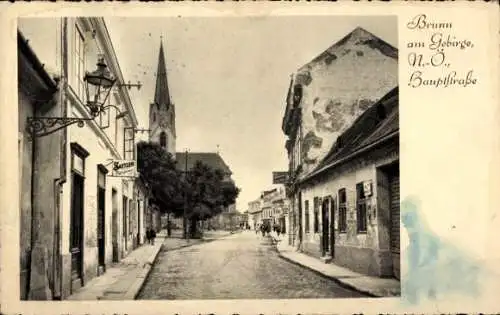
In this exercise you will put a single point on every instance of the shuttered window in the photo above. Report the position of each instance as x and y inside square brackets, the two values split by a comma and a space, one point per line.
[342, 211]
[395, 213]
[361, 208]
[306, 216]
[316, 215]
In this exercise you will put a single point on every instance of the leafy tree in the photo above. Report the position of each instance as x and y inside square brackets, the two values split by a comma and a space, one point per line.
[157, 168]
[207, 193]
[202, 192]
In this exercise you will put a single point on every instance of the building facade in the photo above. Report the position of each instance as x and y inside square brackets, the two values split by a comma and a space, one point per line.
[83, 211]
[254, 213]
[325, 99]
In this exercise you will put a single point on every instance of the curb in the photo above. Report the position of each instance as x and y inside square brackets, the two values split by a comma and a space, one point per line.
[136, 287]
[336, 280]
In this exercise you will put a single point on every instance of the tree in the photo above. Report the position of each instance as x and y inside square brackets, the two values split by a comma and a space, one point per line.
[157, 168]
[200, 193]
[207, 193]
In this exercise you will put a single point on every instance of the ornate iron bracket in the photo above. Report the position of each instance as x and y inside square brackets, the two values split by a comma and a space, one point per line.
[130, 85]
[42, 126]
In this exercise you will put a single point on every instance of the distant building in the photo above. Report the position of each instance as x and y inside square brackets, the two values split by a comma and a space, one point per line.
[342, 128]
[254, 213]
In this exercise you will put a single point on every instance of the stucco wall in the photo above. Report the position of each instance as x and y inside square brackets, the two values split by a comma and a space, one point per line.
[338, 86]
[25, 147]
[368, 252]
[330, 187]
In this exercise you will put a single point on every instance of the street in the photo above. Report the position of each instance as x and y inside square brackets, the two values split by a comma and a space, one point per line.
[240, 266]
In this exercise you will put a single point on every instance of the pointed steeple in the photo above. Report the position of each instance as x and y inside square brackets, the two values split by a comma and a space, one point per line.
[162, 94]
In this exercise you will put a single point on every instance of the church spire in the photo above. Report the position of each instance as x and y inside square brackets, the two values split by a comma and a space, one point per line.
[162, 94]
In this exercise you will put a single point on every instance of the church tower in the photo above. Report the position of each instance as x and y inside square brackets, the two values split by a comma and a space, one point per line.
[162, 110]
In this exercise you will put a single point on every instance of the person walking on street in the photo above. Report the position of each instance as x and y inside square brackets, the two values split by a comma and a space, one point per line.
[169, 228]
[148, 236]
[153, 235]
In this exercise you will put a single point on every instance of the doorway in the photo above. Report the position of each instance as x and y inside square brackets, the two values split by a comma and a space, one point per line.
[114, 225]
[101, 220]
[325, 230]
[393, 176]
[125, 226]
[300, 218]
[332, 227]
[76, 231]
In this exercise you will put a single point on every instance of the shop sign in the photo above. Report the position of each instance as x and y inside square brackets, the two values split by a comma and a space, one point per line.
[124, 168]
[280, 177]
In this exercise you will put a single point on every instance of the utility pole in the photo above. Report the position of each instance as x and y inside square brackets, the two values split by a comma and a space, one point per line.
[186, 236]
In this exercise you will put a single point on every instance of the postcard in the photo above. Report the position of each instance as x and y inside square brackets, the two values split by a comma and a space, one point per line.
[250, 158]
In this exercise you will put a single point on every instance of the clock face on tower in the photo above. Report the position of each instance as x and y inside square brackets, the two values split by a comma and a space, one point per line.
[163, 122]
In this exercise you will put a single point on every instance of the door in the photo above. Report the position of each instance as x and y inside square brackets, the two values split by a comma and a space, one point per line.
[300, 217]
[395, 218]
[332, 227]
[101, 241]
[124, 223]
[114, 226]
[325, 230]
[76, 232]
[139, 222]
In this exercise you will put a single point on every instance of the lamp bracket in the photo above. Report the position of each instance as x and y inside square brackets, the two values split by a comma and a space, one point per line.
[130, 85]
[42, 126]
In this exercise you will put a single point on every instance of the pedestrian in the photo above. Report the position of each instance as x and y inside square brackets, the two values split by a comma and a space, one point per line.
[263, 230]
[148, 236]
[278, 231]
[169, 228]
[153, 235]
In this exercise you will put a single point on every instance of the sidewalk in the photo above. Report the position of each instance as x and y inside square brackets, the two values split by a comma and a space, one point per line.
[123, 280]
[374, 286]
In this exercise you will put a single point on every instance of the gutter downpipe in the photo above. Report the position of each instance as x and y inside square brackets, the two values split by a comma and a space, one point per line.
[59, 182]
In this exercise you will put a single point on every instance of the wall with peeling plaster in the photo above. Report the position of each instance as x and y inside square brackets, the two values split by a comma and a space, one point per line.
[368, 252]
[338, 86]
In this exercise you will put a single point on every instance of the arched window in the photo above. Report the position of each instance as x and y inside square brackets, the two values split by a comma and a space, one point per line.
[163, 139]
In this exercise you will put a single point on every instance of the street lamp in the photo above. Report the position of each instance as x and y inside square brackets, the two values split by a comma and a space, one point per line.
[98, 86]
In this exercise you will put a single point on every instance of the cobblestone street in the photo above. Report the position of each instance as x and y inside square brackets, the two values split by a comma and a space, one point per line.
[240, 266]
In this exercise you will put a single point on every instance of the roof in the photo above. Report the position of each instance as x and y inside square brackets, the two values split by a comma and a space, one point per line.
[359, 36]
[162, 94]
[377, 123]
[25, 49]
[212, 159]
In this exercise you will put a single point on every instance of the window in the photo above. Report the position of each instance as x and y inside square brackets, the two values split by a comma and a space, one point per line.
[316, 214]
[361, 208]
[342, 211]
[163, 139]
[79, 63]
[306, 216]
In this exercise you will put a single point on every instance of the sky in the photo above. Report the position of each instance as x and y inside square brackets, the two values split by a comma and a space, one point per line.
[228, 78]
